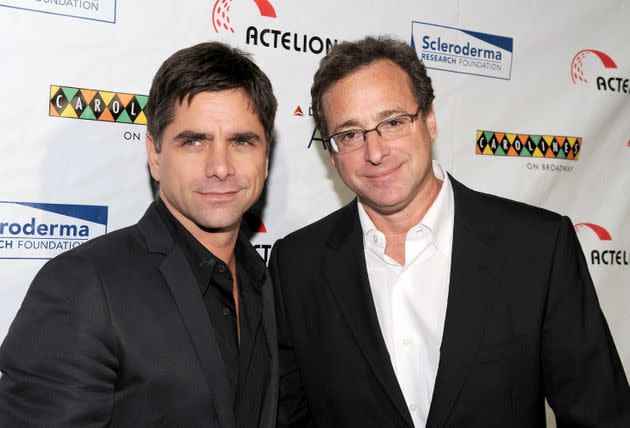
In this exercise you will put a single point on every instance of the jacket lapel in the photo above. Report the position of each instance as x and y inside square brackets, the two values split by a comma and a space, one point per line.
[270, 403]
[182, 283]
[474, 276]
[346, 274]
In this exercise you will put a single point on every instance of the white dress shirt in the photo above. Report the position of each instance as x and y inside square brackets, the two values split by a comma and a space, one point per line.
[411, 300]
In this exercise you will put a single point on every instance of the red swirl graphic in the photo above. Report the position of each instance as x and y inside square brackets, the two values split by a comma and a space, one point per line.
[221, 13]
[601, 233]
[577, 65]
[265, 8]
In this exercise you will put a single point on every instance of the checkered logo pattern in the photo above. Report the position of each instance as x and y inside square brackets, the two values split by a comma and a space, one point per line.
[496, 143]
[93, 104]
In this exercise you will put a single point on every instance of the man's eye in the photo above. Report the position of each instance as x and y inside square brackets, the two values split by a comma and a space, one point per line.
[394, 123]
[242, 143]
[350, 137]
[191, 142]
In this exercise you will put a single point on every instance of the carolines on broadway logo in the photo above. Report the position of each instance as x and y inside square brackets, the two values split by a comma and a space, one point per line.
[496, 143]
[222, 21]
[596, 68]
[93, 104]
[35, 230]
[606, 252]
[96, 10]
[462, 51]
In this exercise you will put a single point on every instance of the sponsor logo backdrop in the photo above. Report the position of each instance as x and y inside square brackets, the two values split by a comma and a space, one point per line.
[531, 100]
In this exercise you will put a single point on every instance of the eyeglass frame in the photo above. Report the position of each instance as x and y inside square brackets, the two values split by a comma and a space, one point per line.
[335, 147]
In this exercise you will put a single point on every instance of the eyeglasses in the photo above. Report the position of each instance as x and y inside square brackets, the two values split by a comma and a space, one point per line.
[389, 129]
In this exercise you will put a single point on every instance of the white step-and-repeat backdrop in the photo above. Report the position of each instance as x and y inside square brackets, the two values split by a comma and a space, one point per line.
[532, 102]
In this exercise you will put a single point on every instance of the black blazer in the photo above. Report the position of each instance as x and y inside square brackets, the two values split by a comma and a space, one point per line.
[115, 332]
[522, 323]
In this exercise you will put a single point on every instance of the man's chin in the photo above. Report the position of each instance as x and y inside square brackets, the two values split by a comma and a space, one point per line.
[384, 206]
[220, 225]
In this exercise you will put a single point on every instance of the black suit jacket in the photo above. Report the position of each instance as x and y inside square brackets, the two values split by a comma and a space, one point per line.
[115, 332]
[522, 323]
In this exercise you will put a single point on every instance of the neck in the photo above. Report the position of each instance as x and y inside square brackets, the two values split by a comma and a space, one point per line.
[220, 241]
[399, 221]
[221, 244]
[395, 225]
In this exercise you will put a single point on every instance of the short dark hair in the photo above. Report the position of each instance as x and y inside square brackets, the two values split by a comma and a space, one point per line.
[345, 58]
[208, 67]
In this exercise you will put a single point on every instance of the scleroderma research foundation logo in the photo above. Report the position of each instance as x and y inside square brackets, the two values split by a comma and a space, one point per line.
[94, 104]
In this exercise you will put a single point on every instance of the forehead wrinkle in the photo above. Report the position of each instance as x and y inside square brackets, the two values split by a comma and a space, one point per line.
[378, 117]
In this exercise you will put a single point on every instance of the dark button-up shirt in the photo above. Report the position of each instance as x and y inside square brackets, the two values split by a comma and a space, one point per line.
[246, 361]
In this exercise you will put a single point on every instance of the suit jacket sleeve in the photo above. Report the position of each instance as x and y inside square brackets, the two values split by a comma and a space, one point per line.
[584, 380]
[293, 408]
[57, 361]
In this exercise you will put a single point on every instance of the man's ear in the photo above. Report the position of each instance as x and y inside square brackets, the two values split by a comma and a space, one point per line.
[267, 165]
[153, 157]
[429, 119]
[331, 156]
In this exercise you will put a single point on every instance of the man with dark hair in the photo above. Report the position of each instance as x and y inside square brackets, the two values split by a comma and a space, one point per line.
[169, 322]
[422, 302]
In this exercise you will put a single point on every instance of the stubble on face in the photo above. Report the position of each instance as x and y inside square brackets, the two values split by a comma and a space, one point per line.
[393, 179]
[213, 162]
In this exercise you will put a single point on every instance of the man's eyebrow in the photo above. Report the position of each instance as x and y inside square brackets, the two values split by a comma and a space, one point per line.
[244, 135]
[386, 114]
[351, 123]
[380, 116]
[189, 135]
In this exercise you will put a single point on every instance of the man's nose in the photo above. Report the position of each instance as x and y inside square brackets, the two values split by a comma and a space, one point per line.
[376, 147]
[219, 162]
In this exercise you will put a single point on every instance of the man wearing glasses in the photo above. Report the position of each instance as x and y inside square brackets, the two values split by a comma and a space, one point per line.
[422, 302]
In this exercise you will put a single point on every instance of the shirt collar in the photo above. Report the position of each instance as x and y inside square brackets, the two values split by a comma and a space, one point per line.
[439, 219]
[247, 258]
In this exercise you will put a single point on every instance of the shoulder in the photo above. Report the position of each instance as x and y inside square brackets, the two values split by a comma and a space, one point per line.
[321, 230]
[510, 223]
[107, 259]
[81, 264]
[478, 204]
[116, 240]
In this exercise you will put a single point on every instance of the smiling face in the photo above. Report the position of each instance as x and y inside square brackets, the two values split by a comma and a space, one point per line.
[213, 161]
[387, 176]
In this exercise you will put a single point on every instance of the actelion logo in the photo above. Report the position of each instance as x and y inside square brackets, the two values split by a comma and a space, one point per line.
[589, 62]
[269, 37]
[94, 104]
[256, 226]
[301, 112]
[579, 61]
[603, 255]
[221, 13]
[599, 231]
[495, 143]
